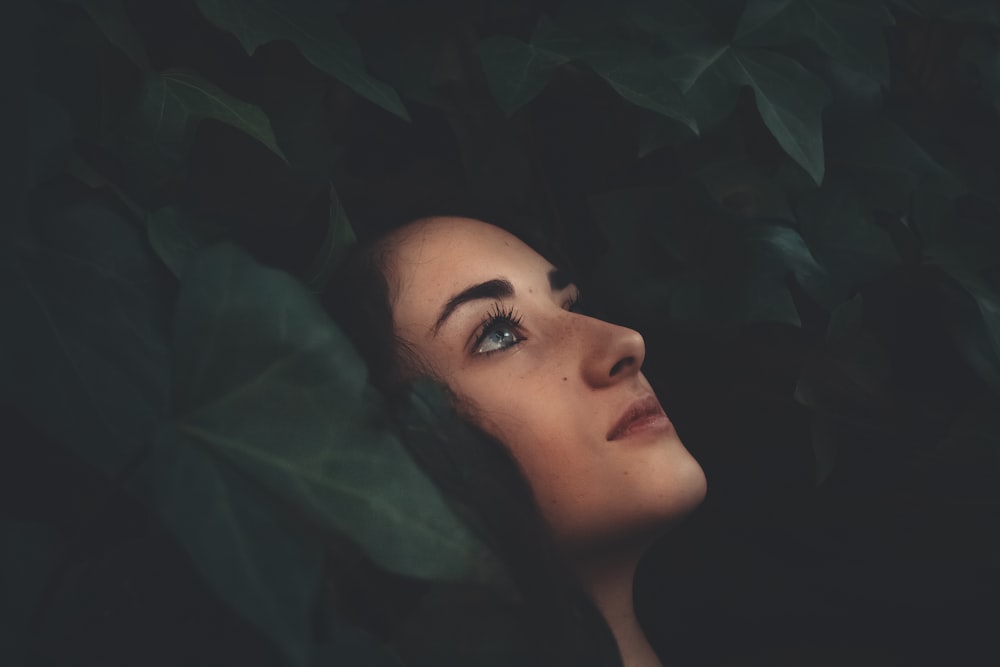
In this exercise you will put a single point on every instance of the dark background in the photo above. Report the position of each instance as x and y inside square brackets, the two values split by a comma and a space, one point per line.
[815, 272]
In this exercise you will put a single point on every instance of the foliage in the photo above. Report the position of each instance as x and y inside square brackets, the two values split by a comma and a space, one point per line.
[760, 182]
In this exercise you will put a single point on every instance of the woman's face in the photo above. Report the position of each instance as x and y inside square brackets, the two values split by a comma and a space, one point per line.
[488, 316]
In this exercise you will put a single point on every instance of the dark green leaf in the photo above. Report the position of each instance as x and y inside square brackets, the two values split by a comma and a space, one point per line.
[176, 235]
[790, 100]
[637, 75]
[110, 17]
[843, 236]
[516, 71]
[849, 32]
[85, 307]
[745, 189]
[248, 552]
[888, 166]
[846, 319]
[314, 29]
[338, 238]
[28, 558]
[289, 406]
[175, 101]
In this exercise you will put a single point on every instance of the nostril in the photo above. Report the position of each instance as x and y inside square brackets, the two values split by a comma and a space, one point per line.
[620, 365]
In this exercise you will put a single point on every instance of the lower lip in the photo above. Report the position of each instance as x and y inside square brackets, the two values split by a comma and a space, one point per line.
[649, 423]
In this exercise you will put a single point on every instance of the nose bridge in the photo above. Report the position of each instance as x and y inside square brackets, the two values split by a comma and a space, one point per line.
[610, 352]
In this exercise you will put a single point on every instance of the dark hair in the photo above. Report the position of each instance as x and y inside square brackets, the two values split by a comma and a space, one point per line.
[475, 471]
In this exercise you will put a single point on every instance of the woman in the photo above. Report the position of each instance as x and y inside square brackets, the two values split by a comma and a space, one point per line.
[473, 307]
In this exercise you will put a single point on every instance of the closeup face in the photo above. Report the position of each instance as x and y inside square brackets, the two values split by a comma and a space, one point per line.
[491, 318]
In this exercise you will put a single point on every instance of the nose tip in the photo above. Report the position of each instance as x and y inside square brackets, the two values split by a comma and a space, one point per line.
[617, 354]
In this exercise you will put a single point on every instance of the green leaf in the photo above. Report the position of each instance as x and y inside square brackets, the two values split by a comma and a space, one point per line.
[516, 72]
[248, 552]
[176, 235]
[85, 307]
[790, 100]
[888, 166]
[744, 189]
[642, 79]
[289, 406]
[845, 319]
[849, 32]
[338, 238]
[843, 236]
[110, 17]
[175, 101]
[29, 554]
[314, 29]
[636, 74]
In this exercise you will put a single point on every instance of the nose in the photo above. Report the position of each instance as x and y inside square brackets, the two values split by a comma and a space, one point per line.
[613, 353]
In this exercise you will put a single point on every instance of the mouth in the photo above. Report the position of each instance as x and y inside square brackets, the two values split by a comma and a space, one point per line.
[645, 414]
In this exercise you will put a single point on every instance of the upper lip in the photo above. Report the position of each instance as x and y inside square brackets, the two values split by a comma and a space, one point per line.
[642, 408]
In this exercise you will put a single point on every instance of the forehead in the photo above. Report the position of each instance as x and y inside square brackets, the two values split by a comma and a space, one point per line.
[432, 260]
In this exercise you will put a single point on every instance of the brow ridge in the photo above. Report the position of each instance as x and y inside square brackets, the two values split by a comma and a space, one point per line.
[498, 288]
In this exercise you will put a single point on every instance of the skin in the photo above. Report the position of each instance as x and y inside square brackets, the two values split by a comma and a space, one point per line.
[551, 387]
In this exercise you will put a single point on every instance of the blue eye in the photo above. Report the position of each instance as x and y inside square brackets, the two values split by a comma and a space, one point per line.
[499, 331]
[497, 338]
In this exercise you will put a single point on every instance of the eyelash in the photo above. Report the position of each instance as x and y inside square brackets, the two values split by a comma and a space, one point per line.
[497, 317]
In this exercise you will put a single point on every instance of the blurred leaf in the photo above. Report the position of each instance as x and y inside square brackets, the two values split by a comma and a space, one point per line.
[176, 235]
[289, 406]
[516, 72]
[86, 306]
[687, 68]
[681, 25]
[247, 551]
[846, 319]
[958, 246]
[745, 189]
[314, 29]
[656, 131]
[849, 32]
[970, 310]
[173, 102]
[29, 553]
[338, 238]
[790, 100]
[110, 17]
[844, 237]
[888, 166]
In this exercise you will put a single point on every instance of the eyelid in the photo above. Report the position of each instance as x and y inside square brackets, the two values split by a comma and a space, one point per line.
[497, 315]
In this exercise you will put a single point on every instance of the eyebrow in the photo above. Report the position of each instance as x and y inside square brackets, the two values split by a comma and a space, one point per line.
[498, 288]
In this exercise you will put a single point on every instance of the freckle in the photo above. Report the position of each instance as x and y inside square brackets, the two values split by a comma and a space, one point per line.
[565, 379]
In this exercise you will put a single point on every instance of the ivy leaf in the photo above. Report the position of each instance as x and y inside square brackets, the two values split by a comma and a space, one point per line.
[641, 79]
[840, 231]
[850, 33]
[173, 102]
[516, 72]
[176, 235]
[637, 75]
[790, 100]
[289, 406]
[255, 560]
[314, 29]
[29, 554]
[86, 308]
[110, 17]
[888, 166]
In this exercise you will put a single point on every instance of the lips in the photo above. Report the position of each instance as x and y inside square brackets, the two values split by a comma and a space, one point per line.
[644, 414]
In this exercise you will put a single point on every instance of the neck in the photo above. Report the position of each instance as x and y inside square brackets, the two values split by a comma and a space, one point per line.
[608, 580]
